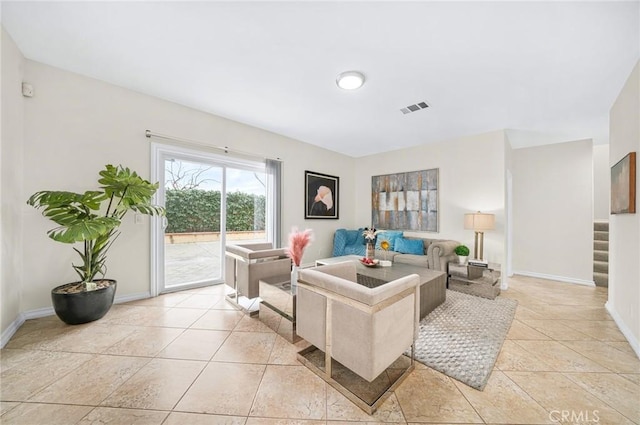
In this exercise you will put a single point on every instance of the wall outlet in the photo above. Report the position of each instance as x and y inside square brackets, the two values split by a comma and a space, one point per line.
[138, 218]
[27, 90]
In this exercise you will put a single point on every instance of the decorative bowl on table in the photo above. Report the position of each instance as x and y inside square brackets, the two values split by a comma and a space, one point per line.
[369, 262]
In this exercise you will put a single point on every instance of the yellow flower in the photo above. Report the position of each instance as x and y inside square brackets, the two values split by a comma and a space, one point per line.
[384, 245]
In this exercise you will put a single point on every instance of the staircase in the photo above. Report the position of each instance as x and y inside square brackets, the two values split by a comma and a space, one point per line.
[601, 253]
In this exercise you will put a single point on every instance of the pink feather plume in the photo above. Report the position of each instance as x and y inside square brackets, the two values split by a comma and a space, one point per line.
[298, 241]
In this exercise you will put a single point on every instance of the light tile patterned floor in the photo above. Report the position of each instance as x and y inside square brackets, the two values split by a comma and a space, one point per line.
[189, 358]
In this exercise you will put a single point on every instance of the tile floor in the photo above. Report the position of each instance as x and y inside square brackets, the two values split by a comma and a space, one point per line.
[190, 358]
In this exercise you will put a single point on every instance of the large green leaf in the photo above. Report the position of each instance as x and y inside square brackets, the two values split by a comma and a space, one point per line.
[47, 199]
[67, 208]
[132, 191]
[84, 229]
[148, 209]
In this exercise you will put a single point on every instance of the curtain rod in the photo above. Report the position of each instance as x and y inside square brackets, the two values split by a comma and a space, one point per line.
[149, 134]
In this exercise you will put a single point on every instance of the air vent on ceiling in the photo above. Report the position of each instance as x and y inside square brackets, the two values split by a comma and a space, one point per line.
[414, 107]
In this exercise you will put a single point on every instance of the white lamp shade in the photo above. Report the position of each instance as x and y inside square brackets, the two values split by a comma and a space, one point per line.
[479, 221]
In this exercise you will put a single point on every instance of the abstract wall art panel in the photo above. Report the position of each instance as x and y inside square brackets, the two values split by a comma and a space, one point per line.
[623, 185]
[405, 201]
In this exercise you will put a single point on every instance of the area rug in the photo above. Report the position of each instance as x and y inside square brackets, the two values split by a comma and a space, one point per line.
[463, 336]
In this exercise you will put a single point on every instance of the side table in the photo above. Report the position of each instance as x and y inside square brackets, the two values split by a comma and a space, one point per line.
[278, 306]
[474, 280]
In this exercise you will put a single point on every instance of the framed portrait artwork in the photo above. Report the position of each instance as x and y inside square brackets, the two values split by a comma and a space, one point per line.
[623, 185]
[321, 195]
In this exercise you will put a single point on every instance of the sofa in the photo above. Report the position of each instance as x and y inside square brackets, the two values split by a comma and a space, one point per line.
[431, 253]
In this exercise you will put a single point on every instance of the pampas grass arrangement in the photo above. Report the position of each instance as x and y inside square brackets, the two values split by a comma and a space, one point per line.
[298, 241]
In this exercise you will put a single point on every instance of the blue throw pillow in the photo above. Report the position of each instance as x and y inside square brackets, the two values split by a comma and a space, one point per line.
[352, 237]
[390, 236]
[361, 237]
[409, 246]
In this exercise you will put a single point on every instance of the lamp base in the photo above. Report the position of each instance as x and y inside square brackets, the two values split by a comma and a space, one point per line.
[478, 263]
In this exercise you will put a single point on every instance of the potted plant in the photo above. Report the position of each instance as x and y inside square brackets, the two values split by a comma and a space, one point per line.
[93, 218]
[462, 252]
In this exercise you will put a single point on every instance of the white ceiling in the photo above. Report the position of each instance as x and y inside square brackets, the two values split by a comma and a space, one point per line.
[548, 71]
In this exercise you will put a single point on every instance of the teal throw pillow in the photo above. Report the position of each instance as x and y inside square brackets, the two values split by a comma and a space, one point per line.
[352, 237]
[390, 236]
[361, 237]
[409, 246]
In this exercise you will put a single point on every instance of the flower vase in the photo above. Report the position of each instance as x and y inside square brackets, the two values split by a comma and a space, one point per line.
[370, 250]
[294, 278]
[385, 262]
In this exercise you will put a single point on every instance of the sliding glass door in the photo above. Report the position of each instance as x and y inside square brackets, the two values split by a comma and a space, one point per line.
[192, 237]
[246, 205]
[211, 200]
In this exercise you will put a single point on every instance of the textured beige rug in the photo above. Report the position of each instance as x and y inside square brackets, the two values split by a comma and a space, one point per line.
[463, 336]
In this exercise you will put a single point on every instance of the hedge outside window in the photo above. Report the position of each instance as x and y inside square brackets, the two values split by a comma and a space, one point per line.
[197, 210]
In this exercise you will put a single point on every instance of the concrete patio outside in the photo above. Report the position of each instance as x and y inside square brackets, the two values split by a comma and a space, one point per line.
[193, 257]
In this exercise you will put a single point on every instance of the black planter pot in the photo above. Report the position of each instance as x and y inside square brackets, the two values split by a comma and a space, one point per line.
[83, 307]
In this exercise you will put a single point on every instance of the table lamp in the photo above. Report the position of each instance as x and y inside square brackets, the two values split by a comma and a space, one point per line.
[479, 222]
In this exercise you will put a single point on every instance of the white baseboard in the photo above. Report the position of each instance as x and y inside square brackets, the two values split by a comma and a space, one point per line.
[558, 278]
[11, 329]
[132, 297]
[19, 321]
[48, 311]
[633, 341]
[38, 313]
[504, 283]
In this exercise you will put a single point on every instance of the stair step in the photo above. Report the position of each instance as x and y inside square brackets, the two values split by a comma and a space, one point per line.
[600, 256]
[601, 253]
[600, 235]
[601, 279]
[601, 267]
[601, 226]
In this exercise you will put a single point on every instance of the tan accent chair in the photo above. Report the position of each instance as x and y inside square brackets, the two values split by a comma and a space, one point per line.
[246, 264]
[364, 329]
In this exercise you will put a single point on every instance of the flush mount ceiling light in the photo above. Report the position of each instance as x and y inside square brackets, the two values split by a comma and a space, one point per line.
[350, 80]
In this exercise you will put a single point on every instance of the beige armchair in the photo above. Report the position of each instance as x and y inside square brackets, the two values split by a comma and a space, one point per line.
[364, 329]
[246, 264]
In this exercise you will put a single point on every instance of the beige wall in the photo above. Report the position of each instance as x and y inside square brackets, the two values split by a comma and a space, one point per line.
[601, 182]
[553, 211]
[624, 229]
[11, 101]
[471, 178]
[75, 125]
[507, 269]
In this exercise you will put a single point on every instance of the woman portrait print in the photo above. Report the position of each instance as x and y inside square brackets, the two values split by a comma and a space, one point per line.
[323, 202]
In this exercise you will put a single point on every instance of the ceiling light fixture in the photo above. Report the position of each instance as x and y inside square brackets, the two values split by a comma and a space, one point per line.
[350, 80]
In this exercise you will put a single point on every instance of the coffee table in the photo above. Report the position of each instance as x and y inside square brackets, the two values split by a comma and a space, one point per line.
[432, 282]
